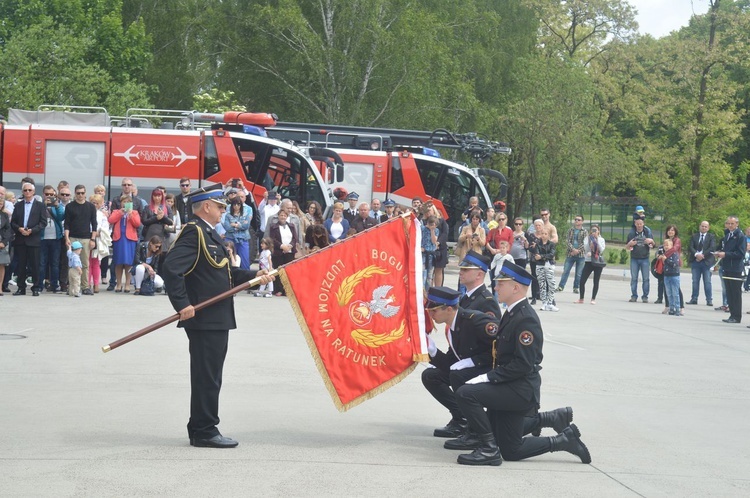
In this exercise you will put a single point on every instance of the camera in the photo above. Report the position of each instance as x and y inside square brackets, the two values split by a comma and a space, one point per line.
[235, 182]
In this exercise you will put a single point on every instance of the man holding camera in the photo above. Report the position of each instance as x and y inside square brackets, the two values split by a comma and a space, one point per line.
[50, 249]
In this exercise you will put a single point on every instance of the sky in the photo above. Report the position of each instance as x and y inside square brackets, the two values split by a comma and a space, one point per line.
[660, 17]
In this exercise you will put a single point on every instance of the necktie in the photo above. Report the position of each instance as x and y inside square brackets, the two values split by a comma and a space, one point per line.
[700, 244]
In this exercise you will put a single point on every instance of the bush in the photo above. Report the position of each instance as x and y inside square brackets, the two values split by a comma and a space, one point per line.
[611, 257]
[623, 256]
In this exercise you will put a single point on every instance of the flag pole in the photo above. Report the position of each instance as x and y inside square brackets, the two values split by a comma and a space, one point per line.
[208, 302]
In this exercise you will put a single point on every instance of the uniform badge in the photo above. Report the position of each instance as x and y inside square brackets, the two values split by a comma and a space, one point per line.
[526, 338]
[490, 313]
[491, 329]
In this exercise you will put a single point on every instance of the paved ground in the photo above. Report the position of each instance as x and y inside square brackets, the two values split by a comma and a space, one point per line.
[661, 402]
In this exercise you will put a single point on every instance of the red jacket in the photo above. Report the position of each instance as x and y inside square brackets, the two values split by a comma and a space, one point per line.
[133, 222]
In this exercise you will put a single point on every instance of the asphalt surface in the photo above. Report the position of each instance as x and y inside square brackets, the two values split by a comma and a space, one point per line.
[660, 402]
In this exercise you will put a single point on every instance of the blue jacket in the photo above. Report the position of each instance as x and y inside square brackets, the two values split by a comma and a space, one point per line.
[57, 214]
[344, 223]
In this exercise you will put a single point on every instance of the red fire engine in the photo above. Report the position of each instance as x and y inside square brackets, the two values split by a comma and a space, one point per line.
[155, 147]
[400, 164]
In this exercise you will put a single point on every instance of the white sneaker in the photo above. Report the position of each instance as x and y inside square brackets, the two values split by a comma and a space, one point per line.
[543, 307]
[268, 294]
[552, 307]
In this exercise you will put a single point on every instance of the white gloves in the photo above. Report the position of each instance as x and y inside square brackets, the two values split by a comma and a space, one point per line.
[431, 347]
[461, 364]
[479, 379]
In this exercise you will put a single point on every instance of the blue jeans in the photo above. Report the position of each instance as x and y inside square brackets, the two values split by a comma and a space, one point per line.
[701, 269]
[639, 265]
[49, 254]
[672, 289]
[569, 261]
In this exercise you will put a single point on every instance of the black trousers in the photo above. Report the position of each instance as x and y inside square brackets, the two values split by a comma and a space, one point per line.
[28, 257]
[588, 269]
[733, 286]
[443, 385]
[208, 348]
[506, 418]
[535, 293]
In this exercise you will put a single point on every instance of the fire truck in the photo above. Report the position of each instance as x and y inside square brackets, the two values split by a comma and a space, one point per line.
[396, 164]
[155, 147]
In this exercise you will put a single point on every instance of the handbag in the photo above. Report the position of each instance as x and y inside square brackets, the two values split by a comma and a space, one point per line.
[147, 287]
[598, 261]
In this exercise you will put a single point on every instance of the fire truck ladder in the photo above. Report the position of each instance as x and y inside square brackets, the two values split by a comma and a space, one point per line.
[388, 139]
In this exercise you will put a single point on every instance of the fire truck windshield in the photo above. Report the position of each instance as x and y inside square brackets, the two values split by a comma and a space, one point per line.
[453, 185]
[283, 170]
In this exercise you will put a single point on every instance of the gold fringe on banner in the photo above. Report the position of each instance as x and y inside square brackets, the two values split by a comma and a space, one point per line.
[319, 361]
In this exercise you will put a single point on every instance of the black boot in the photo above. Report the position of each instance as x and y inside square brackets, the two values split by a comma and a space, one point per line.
[455, 428]
[486, 454]
[570, 440]
[467, 441]
[557, 419]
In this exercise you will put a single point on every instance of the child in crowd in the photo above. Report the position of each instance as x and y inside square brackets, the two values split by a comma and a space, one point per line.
[264, 262]
[75, 269]
[503, 255]
[543, 254]
[672, 278]
[430, 234]
[234, 258]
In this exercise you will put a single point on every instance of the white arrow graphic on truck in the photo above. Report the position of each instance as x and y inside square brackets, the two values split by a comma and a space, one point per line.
[152, 154]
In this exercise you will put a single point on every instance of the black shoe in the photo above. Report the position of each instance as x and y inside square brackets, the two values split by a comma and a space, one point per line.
[111, 286]
[730, 320]
[709, 303]
[466, 441]
[692, 301]
[570, 440]
[532, 302]
[575, 290]
[87, 292]
[217, 441]
[658, 301]
[454, 428]
[35, 293]
[20, 292]
[486, 454]
[558, 419]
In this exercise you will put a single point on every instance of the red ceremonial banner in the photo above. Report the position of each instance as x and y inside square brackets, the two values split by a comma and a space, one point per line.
[359, 304]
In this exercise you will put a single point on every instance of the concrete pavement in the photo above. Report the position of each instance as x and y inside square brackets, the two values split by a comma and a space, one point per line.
[660, 402]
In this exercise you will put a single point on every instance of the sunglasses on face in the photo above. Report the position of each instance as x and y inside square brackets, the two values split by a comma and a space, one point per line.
[184, 184]
[64, 195]
[28, 190]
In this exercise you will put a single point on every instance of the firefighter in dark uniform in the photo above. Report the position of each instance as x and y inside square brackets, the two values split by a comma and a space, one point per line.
[511, 390]
[470, 336]
[195, 269]
[351, 213]
[472, 271]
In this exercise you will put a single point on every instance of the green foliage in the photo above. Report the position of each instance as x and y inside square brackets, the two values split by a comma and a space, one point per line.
[624, 255]
[611, 256]
[216, 100]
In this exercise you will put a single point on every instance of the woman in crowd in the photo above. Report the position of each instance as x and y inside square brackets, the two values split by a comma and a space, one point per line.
[316, 238]
[285, 240]
[473, 236]
[532, 239]
[105, 209]
[594, 250]
[498, 234]
[103, 240]
[237, 226]
[147, 259]
[296, 210]
[157, 217]
[6, 236]
[173, 230]
[125, 223]
[520, 245]
[672, 234]
[441, 258]
[337, 226]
